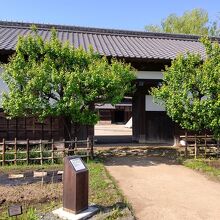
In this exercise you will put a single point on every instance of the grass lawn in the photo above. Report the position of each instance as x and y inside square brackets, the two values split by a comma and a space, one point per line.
[205, 166]
[38, 199]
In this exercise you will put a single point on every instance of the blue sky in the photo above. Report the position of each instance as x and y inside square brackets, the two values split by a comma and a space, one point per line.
[122, 14]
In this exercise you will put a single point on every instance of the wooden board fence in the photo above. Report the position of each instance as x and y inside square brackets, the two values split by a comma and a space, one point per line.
[39, 151]
[205, 145]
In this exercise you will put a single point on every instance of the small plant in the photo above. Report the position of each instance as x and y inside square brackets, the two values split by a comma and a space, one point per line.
[31, 214]
[116, 214]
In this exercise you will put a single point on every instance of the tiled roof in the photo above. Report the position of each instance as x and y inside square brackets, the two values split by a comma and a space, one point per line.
[109, 42]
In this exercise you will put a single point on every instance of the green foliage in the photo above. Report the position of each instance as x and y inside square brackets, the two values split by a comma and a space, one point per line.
[50, 78]
[116, 214]
[104, 191]
[214, 29]
[31, 214]
[190, 90]
[11, 168]
[195, 21]
[154, 28]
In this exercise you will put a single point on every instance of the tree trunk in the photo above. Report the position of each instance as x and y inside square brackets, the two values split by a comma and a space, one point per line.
[67, 128]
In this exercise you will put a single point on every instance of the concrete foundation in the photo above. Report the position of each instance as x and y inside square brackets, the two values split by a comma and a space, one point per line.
[92, 210]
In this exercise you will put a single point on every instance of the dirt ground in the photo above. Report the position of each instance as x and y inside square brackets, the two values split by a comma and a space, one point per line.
[30, 193]
[157, 188]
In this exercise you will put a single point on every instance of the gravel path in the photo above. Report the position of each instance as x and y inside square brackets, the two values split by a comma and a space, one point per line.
[160, 189]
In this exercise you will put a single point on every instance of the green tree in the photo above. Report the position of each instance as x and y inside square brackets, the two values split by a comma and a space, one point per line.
[195, 22]
[50, 78]
[191, 90]
[214, 29]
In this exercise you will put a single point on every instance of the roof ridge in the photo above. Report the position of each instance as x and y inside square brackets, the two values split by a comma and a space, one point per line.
[185, 37]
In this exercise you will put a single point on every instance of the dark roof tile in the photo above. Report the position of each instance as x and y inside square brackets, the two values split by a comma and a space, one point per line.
[109, 42]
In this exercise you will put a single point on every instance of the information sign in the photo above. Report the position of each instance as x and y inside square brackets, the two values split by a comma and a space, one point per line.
[14, 210]
[77, 164]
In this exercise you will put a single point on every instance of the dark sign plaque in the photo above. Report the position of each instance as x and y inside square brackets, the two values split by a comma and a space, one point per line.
[14, 210]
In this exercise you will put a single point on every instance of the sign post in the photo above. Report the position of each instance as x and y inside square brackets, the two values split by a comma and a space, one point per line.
[75, 190]
[75, 185]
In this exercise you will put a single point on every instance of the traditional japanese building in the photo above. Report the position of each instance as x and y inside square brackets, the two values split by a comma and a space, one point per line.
[120, 113]
[147, 52]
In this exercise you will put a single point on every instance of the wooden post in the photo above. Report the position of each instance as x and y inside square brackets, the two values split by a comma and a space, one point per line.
[75, 186]
[186, 149]
[196, 146]
[205, 144]
[87, 149]
[27, 151]
[16, 127]
[52, 151]
[41, 153]
[3, 152]
[15, 156]
[25, 127]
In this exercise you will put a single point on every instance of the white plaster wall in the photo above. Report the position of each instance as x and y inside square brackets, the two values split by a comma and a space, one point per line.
[3, 87]
[151, 106]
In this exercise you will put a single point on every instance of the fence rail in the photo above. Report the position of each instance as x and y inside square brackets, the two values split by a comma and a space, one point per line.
[38, 151]
[201, 144]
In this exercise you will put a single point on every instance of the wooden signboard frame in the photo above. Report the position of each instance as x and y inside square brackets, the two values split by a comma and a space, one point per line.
[15, 210]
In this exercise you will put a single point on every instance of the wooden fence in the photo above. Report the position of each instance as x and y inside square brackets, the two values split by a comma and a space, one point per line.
[39, 151]
[205, 145]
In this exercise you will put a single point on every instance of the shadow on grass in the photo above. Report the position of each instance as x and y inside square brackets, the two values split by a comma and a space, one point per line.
[118, 205]
[141, 161]
[116, 211]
